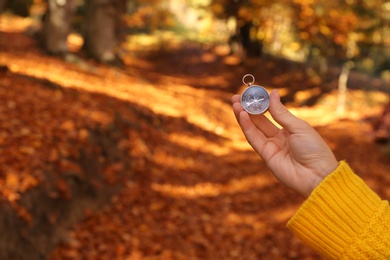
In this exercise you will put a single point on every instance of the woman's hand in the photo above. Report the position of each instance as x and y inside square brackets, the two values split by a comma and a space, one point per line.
[296, 154]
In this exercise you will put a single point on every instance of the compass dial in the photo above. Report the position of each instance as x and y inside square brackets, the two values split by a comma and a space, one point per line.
[255, 100]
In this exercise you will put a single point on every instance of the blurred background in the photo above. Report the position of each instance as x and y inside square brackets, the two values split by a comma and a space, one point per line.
[117, 138]
[320, 33]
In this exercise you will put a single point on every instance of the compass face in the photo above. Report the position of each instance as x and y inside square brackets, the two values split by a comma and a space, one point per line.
[255, 100]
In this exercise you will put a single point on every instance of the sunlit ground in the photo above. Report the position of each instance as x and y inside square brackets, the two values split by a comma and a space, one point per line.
[9, 23]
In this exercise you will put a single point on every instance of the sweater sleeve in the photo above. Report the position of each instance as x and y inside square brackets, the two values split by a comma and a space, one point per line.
[344, 219]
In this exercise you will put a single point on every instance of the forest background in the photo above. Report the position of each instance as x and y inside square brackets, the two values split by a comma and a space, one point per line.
[117, 139]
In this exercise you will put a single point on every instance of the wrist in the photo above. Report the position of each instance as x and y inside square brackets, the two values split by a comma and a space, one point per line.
[326, 170]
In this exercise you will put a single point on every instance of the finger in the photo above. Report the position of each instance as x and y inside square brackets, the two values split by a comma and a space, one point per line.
[236, 98]
[284, 117]
[253, 135]
[264, 125]
[237, 108]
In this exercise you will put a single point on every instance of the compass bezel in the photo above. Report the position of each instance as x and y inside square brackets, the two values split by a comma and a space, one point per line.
[263, 92]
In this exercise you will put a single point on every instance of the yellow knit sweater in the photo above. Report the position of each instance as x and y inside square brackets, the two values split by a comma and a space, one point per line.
[344, 219]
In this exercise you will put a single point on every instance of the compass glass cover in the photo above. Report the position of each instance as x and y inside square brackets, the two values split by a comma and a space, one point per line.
[255, 100]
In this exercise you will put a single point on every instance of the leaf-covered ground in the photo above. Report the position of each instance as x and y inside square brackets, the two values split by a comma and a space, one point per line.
[191, 187]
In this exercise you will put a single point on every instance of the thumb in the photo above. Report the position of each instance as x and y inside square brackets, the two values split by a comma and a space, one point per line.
[282, 116]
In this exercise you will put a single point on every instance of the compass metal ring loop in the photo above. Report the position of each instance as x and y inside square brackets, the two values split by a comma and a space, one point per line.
[248, 76]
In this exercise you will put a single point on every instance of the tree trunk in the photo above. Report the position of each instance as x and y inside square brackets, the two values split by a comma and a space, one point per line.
[57, 25]
[343, 88]
[103, 24]
[251, 45]
[343, 79]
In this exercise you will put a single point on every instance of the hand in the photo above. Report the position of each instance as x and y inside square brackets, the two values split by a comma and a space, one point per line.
[296, 154]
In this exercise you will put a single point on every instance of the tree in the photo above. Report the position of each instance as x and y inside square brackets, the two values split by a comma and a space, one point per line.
[337, 31]
[104, 28]
[57, 25]
[246, 16]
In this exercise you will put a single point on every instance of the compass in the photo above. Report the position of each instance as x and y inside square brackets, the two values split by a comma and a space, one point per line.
[254, 99]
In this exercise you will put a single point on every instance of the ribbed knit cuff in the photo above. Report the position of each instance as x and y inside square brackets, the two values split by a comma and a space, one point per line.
[336, 212]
